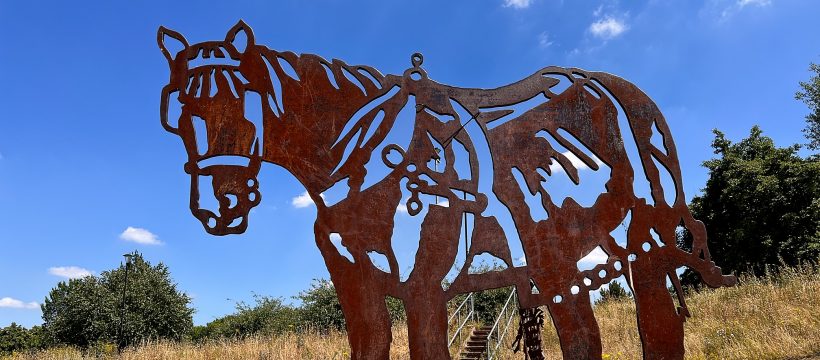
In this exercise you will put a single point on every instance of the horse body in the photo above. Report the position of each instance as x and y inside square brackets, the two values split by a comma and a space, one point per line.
[324, 121]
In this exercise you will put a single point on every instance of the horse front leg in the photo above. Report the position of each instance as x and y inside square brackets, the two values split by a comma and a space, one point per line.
[425, 300]
[427, 324]
[659, 324]
[366, 317]
[362, 300]
[577, 328]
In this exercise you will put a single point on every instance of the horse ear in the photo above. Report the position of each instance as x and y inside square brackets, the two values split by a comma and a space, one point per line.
[164, 32]
[240, 28]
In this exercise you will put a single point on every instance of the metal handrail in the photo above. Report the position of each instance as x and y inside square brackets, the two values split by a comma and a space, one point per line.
[457, 314]
[492, 350]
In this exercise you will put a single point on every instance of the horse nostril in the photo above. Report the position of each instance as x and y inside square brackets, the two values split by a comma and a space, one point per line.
[232, 199]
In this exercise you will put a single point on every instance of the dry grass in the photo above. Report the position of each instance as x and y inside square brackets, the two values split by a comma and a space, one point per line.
[760, 319]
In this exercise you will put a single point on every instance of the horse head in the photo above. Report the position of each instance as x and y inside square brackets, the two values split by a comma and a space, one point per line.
[209, 80]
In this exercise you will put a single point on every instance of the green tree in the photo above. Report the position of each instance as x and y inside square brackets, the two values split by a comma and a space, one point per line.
[761, 206]
[614, 292]
[810, 94]
[85, 311]
[79, 312]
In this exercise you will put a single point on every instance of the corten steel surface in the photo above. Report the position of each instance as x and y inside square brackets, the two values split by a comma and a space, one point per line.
[324, 121]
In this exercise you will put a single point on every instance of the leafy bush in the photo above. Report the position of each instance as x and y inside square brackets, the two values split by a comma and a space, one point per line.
[15, 338]
[320, 311]
[85, 312]
[267, 316]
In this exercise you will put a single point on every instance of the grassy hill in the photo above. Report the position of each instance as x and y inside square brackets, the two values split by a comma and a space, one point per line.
[772, 318]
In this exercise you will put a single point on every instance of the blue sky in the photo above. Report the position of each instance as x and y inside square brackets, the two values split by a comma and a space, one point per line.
[87, 172]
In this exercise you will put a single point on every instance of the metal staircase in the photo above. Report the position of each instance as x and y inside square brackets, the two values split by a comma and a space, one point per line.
[476, 345]
[483, 342]
[464, 313]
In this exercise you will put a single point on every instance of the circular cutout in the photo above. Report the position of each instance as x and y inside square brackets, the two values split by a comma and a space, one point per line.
[411, 167]
[414, 206]
[617, 265]
[574, 289]
[416, 59]
[646, 246]
[632, 257]
[557, 299]
[587, 281]
[415, 75]
[211, 222]
[602, 274]
[392, 155]
[251, 182]
[252, 196]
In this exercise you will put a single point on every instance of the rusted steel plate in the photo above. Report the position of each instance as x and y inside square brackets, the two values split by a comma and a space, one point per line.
[324, 121]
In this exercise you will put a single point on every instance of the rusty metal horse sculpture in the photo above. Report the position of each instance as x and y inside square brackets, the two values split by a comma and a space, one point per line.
[324, 121]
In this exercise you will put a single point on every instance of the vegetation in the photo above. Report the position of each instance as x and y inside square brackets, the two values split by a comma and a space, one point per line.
[761, 205]
[614, 292]
[810, 94]
[728, 323]
[87, 311]
[15, 338]
[320, 312]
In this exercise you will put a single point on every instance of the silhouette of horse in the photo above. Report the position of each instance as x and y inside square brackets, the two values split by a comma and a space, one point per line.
[324, 121]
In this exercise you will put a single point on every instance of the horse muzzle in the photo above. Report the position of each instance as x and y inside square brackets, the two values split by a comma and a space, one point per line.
[236, 190]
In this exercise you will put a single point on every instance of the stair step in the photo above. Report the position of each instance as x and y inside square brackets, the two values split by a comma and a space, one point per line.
[471, 355]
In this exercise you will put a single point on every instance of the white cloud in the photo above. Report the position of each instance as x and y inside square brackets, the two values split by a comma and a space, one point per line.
[8, 302]
[729, 10]
[140, 236]
[522, 260]
[608, 27]
[579, 164]
[304, 200]
[402, 208]
[518, 4]
[69, 272]
[544, 40]
[443, 203]
[761, 3]
[596, 256]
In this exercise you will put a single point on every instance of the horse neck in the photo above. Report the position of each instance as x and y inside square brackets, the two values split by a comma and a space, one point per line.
[314, 120]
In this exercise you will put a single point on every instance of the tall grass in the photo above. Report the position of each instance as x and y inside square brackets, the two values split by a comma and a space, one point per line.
[777, 317]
